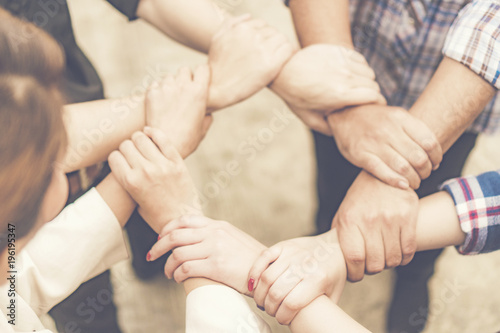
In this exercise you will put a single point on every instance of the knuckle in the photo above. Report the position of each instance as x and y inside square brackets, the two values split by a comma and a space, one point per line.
[355, 257]
[174, 237]
[265, 278]
[420, 161]
[275, 295]
[394, 261]
[185, 268]
[282, 320]
[355, 277]
[292, 305]
[176, 256]
[431, 144]
[403, 167]
[409, 248]
[131, 181]
[375, 267]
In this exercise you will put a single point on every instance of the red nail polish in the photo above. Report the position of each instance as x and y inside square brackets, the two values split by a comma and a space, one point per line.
[148, 257]
[250, 284]
[159, 237]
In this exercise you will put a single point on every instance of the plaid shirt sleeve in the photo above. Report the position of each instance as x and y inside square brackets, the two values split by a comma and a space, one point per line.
[477, 201]
[473, 39]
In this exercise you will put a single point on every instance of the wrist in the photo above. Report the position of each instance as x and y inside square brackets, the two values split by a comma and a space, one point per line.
[217, 100]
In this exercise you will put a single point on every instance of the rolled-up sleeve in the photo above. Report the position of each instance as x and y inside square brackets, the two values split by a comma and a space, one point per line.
[477, 201]
[473, 39]
[127, 7]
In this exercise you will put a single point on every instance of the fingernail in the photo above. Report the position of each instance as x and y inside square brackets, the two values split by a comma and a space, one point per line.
[147, 128]
[148, 257]
[436, 167]
[403, 185]
[250, 284]
[159, 237]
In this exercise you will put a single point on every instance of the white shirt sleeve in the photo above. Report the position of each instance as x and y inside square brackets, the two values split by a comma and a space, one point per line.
[220, 309]
[83, 241]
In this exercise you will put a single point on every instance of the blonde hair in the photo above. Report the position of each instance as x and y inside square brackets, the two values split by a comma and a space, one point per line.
[31, 124]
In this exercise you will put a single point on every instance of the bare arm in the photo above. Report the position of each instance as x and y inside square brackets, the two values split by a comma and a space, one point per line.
[195, 28]
[322, 315]
[96, 128]
[118, 200]
[322, 22]
[452, 100]
[437, 227]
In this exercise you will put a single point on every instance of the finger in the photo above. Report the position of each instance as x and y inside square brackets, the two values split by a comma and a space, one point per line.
[147, 148]
[193, 269]
[400, 165]
[132, 155]
[379, 169]
[416, 156]
[229, 24]
[392, 244]
[357, 81]
[408, 244]
[267, 279]
[353, 247]
[256, 23]
[186, 221]
[207, 123]
[184, 75]
[358, 96]
[283, 53]
[374, 249]
[296, 300]
[266, 258]
[176, 238]
[280, 289]
[164, 143]
[182, 255]
[356, 57]
[267, 32]
[314, 121]
[119, 166]
[239, 19]
[423, 136]
[202, 77]
[361, 68]
[168, 81]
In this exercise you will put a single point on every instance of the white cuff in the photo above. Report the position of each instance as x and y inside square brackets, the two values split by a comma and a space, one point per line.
[220, 309]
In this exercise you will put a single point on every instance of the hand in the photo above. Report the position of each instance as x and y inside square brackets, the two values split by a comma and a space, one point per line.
[177, 105]
[315, 120]
[291, 274]
[155, 176]
[202, 247]
[376, 224]
[245, 56]
[325, 78]
[388, 142]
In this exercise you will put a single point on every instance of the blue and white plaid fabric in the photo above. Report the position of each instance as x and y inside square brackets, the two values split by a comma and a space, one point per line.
[477, 201]
[404, 42]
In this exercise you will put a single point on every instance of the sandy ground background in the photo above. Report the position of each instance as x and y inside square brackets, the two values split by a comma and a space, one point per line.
[273, 198]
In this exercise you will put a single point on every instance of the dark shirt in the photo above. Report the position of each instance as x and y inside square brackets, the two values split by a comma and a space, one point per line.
[81, 81]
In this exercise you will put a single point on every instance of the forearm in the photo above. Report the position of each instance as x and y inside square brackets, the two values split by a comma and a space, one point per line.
[322, 22]
[454, 97]
[97, 128]
[117, 199]
[322, 315]
[190, 22]
[438, 225]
